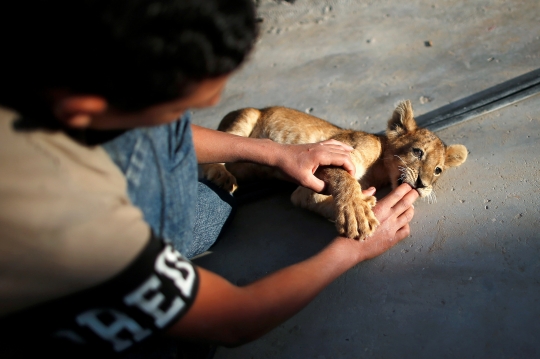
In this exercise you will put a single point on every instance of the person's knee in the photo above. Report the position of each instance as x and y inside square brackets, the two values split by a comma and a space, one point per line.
[215, 210]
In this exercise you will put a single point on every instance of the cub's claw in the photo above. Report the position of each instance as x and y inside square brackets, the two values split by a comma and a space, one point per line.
[218, 174]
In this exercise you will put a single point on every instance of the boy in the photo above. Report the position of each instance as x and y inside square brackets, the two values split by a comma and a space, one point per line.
[93, 252]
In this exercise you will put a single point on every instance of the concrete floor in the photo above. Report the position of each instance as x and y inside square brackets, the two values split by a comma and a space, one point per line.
[466, 284]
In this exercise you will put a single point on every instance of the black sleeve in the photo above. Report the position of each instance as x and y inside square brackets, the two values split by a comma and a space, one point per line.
[152, 293]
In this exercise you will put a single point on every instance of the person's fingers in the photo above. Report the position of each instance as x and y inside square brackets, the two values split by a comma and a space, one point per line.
[406, 202]
[315, 184]
[401, 220]
[370, 191]
[333, 147]
[396, 195]
[395, 203]
[348, 166]
[405, 217]
[338, 160]
[338, 143]
[402, 233]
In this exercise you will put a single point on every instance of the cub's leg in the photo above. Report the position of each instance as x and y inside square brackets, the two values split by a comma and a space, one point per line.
[218, 174]
[240, 123]
[353, 210]
[319, 203]
[354, 214]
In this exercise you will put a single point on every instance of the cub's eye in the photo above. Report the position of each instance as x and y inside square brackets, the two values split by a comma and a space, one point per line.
[417, 152]
[438, 170]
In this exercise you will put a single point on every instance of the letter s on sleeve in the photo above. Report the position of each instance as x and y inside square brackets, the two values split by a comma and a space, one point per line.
[172, 265]
[149, 300]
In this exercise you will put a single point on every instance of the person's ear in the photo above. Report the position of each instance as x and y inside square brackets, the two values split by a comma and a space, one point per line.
[77, 111]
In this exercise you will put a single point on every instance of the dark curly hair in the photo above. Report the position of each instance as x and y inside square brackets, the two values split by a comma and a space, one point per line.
[135, 53]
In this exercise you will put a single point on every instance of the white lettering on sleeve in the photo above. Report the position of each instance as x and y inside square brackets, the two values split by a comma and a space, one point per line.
[185, 284]
[151, 305]
[110, 332]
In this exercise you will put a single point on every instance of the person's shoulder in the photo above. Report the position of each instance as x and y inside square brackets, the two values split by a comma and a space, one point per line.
[48, 176]
[64, 212]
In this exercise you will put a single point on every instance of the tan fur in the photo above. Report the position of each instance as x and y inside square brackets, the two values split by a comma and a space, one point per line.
[406, 153]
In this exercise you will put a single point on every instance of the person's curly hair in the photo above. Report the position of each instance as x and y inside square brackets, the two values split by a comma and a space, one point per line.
[135, 53]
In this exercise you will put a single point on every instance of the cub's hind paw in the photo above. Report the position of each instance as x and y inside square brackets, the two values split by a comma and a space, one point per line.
[355, 218]
[218, 174]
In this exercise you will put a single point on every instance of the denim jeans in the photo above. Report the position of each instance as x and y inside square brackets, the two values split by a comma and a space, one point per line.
[161, 171]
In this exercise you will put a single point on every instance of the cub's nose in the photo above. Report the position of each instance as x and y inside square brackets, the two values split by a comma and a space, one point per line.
[419, 184]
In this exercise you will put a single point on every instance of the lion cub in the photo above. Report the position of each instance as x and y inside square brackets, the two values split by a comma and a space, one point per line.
[406, 154]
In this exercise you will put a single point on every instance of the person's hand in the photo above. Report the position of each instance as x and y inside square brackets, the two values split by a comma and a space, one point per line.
[246, 312]
[394, 213]
[299, 162]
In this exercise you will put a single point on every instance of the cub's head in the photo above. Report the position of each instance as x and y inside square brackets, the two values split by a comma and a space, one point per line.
[416, 155]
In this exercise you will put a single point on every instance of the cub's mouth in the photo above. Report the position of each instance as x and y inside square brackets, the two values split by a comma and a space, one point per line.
[401, 181]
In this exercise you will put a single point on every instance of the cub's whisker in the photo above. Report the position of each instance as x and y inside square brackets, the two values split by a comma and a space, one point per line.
[401, 159]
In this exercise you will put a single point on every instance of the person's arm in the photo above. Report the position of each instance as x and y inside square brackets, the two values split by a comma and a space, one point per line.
[299, 162]
[231, 315]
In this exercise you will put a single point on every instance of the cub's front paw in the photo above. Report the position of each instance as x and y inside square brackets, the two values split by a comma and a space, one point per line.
[355, 217]
[218, 174]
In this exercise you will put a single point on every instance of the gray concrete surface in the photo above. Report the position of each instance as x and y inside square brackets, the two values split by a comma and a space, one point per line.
[466, 283]
[351, 61]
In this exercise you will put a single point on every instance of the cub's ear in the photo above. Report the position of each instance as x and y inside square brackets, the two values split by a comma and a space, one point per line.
[402, 120]
[455, 155]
